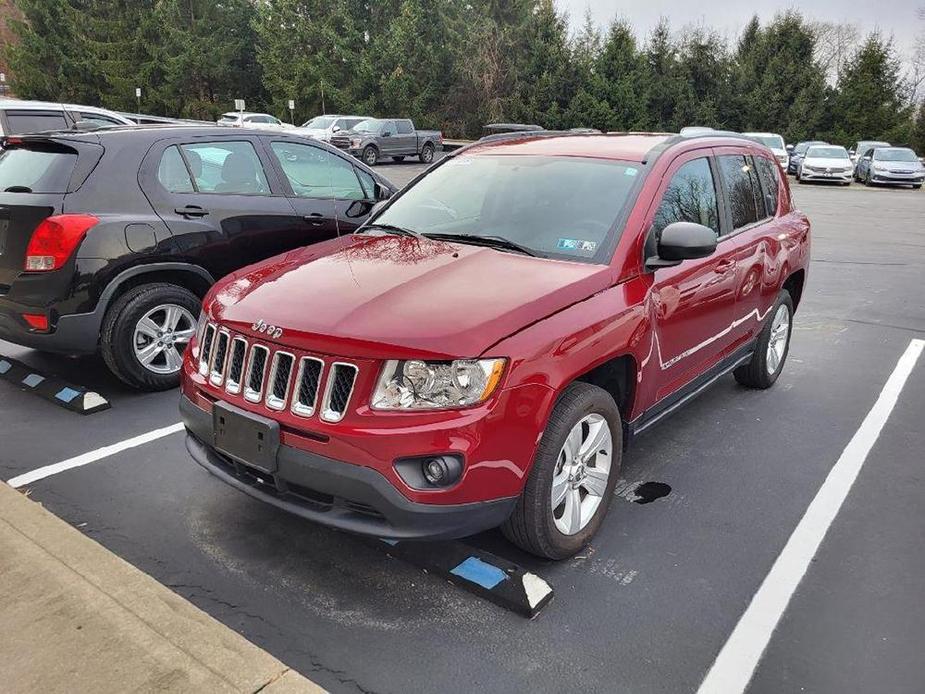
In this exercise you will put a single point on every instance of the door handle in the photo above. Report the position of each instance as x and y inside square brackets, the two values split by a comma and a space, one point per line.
[191, 211]
[316, 219]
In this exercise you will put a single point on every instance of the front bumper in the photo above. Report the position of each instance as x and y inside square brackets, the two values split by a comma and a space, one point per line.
[341, 495]
[896, 178]
[834, 176]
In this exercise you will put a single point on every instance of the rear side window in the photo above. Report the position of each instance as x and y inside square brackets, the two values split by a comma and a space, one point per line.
[690, 197]
[404, 127]
[172, 172]
[36, 170]
[232, 168]
[20, 122]
[315, 173]
[99, 118]
[770, 183]
[743, 194]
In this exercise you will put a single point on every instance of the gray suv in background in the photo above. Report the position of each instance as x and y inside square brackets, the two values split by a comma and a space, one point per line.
[397, 138]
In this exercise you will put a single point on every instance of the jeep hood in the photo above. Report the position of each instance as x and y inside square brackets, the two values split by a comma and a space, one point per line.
[398, 297]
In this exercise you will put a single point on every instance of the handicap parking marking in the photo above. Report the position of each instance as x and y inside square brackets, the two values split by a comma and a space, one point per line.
[93, 456]
[71, 397]
[737, 660]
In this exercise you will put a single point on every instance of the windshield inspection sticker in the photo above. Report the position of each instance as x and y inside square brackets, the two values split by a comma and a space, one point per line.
[577, 245]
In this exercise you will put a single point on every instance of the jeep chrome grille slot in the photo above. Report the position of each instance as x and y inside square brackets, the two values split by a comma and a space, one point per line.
[205, 349]
[305, 395]
[280, 373]
[256, 370]
[217, 372]
[337, 391]
[236, 365]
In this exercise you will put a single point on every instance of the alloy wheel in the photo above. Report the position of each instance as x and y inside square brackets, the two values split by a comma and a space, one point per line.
[581, 474]
[161, 337]
[780, 333]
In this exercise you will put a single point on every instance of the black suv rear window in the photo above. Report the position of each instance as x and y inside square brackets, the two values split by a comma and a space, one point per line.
[21, 122]
[38, 170]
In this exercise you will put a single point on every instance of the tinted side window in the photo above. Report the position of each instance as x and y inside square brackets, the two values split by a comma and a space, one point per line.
[690, 197]
[315, 173]
[99, 118]
[740, 184]
[20, 122]
[387, 127]
[770, 183]
[172, 172]
[368, 183]
[226, 167]
[404, 127]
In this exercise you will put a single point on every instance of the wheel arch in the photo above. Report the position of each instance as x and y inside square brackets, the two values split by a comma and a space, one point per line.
[617, 376]
[794, 285]
[192, 277]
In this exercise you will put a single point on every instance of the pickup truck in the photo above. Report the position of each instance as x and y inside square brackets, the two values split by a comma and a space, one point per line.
[478, 352]
[376, 138]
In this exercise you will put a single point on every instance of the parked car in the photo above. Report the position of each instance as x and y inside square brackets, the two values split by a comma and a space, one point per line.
[373, 139]
[111, 238]
[148, 119]
[774, 142]
[826, 163]
[798, 152]
[496, 332]
[861, 146]
[890, 165]
[18, 116]
[323, 127]
[261, 121]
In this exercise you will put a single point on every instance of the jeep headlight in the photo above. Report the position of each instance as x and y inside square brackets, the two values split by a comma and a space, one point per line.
[429, 385]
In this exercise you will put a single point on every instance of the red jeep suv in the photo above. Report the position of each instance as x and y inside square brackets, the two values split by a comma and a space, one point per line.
[480, 352]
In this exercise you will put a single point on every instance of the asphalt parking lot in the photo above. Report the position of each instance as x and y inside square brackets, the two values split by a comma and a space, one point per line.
[651, 603]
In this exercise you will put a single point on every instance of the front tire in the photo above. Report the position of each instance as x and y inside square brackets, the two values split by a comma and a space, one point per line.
[427, 154]
[771, 348]
[145, 333]
[574, 473]
[370, 155]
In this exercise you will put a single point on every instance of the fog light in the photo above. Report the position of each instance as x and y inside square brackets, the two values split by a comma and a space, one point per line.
[436, 471]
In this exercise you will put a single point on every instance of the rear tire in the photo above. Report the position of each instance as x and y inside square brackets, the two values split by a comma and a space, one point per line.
[763, 368]
[533, 526]
[370, 155]
[427, 153]
[128, 327]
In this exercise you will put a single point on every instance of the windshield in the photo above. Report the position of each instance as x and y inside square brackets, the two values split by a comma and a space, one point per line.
[559, 207]
[230, 117]
[319, 123]
[770, 141]
[35, 170]
[803, 146]
[827, 152]
[865, 145]
[895, 155]
[367, 126]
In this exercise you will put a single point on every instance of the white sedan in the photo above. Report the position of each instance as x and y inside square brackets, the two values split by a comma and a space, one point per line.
[262, 121]
[826, 163]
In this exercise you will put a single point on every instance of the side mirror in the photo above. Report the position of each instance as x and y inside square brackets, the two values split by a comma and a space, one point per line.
[682, 241]
[851, 152]
[866, 157]
[387, 133]
[335, 129]
[789, 148]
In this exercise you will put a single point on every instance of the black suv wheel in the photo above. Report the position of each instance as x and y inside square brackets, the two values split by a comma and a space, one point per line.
[145, 333]
[574, 474]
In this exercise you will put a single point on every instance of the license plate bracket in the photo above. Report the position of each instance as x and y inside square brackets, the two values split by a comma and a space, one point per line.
[246, 437]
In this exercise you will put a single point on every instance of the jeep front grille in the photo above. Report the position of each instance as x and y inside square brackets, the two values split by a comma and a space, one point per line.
[276, 379]
[337, 392]
[256, 370]
[307, 382]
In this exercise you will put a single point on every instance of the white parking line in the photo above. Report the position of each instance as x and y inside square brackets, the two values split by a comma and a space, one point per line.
[93, 456]
[734, 666]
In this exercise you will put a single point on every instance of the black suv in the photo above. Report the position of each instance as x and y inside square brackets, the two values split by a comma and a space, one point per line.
[109, 239]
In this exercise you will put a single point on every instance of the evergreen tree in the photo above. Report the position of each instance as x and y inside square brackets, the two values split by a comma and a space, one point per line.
[661, 80]
[617, 79]
[871, 98]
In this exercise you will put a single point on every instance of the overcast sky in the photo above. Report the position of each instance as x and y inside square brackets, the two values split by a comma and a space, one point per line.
[896, 17]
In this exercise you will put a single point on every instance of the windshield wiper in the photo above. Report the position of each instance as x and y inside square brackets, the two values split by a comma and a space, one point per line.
[496, 242]
[391, 228]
